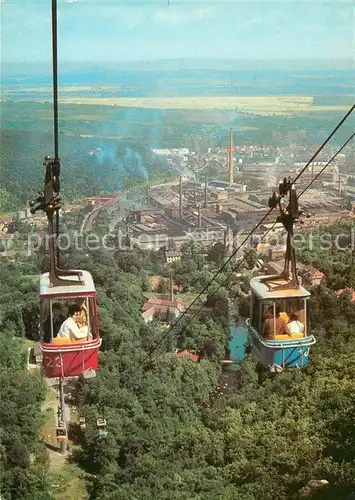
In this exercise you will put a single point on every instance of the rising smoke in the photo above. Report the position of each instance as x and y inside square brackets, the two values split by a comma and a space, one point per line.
[133, 164]
[271, 177]
[119, 164]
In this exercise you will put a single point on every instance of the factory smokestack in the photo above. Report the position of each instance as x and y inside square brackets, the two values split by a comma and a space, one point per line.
[199, 216]
[171, 287]
[180, 199]
[195, 199]
[206, 195]
[148, 194]
[231, 157]
[339, 186]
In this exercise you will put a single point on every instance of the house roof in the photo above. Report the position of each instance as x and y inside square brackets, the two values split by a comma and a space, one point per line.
[346, 290]
[313, 272]
[172, 253]
[149, 312]
[6, 219]
[303, 270]
[187, 354]
[155, 301]
[348, 215]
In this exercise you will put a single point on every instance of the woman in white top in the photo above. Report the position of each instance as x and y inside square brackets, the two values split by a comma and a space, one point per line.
[295, 325]
[70, 328]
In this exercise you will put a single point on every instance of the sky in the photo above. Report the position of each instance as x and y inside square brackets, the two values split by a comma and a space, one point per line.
[114, 31]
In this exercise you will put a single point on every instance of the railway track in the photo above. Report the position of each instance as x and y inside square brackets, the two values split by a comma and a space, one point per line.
[89, 219]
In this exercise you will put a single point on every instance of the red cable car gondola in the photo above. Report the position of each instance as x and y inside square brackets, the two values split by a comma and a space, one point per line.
[74, 350]
[65, 357]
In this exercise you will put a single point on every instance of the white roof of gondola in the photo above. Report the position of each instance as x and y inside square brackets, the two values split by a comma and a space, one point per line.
[88, 286]
[263, 292]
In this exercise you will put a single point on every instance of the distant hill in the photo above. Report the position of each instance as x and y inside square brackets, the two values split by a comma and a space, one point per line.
[41, 73]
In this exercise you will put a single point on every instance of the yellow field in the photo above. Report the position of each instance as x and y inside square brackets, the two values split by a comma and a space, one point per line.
[258, 104]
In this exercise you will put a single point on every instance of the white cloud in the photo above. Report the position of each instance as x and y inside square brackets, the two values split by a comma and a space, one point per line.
[173, 16]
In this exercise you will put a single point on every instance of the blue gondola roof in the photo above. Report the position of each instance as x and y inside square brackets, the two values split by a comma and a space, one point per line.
[265, 292]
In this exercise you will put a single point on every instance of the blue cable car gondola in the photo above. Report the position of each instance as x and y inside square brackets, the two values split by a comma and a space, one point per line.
[101, 428]
[279, 315]
[279, 351]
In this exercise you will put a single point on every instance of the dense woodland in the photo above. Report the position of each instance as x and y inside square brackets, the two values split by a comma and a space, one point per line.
[82, 174]
[332, 251]
[170, 433]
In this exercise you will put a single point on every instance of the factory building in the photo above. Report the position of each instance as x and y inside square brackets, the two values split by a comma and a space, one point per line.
[206, 210]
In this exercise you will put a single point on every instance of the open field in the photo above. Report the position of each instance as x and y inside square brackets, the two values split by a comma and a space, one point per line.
[257, 104]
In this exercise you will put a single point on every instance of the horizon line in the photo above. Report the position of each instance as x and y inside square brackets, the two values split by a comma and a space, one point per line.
[32, 69]
[187, 59]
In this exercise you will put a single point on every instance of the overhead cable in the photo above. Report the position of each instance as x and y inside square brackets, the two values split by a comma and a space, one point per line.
[55, 104]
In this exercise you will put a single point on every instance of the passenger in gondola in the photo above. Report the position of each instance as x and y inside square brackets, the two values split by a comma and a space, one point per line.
[71, 328]
[295, 325]
[82, 319]
[274, 326]
[58, 319]
[285, 316]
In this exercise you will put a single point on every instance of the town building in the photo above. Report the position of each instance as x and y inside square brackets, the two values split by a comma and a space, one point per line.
[154, 306]
[172, 256]
[307, 274]
[186, 354]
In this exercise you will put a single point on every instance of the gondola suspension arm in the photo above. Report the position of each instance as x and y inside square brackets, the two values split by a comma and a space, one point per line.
[49, 201]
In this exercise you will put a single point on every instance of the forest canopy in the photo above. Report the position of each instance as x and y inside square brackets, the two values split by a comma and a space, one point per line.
[171, 433]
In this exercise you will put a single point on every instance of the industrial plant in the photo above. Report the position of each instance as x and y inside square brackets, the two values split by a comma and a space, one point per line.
[207, 209]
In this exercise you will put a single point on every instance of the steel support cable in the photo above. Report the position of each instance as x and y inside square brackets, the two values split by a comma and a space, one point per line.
[166, 334]
[55, 77]
[55, 104]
